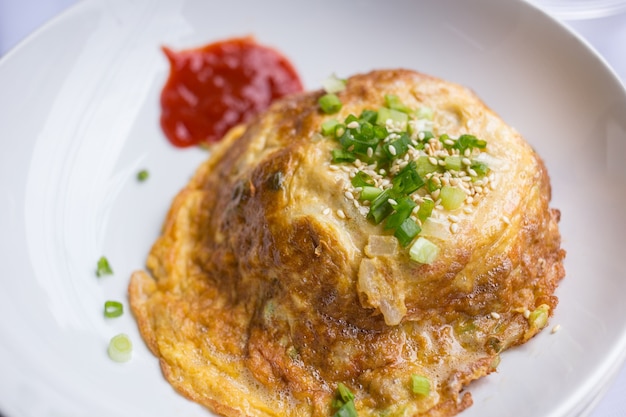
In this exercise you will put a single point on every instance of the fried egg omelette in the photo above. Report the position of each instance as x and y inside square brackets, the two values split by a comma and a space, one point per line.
[274, 289]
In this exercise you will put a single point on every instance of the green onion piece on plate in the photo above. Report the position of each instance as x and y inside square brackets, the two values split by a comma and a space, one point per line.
[143, 175]
[113, 309]
[120, 348]
[103, 268]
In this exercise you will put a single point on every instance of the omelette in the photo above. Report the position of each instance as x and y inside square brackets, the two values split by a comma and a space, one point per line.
[371, 257]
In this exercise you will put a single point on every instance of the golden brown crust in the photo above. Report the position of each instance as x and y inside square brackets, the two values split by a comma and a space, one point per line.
[256, 305]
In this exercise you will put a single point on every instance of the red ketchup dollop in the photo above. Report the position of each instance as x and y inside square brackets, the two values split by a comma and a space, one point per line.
[215, 87]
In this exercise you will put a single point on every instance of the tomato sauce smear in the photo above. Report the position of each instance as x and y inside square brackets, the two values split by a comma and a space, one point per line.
[215, 87]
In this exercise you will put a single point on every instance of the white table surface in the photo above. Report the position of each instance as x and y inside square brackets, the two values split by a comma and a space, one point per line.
[18, 18]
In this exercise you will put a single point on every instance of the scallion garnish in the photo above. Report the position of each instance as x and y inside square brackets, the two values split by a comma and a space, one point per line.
[113, 309]
[425, 209]
[329, 127]
[143, 175]
[340, 155]
[396, 159]
[452, 197]
[120, 348]
[423, 251]
[402, 211]
[344, 402]
[103, 268]
[407, 231]
[361, 179]
[329, 103]
[420, 385]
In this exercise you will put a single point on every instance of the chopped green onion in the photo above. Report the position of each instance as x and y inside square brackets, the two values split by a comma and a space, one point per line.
[393, 102]
[454, 162]
[339, 155]
[333, 84]
[380, 207]
[344, 401]
[426, 209]
[452, 197]
[329, 127]
[469, 142]
[396, 117]
[369, 116]
[423, 166]
[402, 211]
[424, 251]
[420, 384]
[407, 180]
[480, 167]
[344, 393]
[361, 179]
[113, 309]
[329, 103]
[143, 175]
[103, 267]
[407, 231]
[370, 193]
[346, 410]
[120, 348]
[538, 319]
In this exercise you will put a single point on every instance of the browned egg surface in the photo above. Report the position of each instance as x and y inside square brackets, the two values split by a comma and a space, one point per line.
[269, 287]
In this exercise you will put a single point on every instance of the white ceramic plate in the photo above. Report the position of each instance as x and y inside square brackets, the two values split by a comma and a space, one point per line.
[79, 118]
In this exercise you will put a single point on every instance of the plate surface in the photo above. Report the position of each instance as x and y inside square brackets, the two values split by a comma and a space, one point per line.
[79, 109]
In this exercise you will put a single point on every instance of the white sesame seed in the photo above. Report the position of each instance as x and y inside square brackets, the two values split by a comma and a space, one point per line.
[449, 142]
[472, 172]
[505, 219]
[478, 189]
[439, 207]
[469, 200]
[356, 203]
[442, 162]
[341, 214]
[370, 152]
[392, 202]
[526, 313]
[466, 178]
[467, 153]
[326, 211]
[466, 161]
[349, 195]
[382, 172]
[495, 315]
[353, 125]
[454, 227]
[392, 150]
[435, 194]
[333, 167]
[432, 160]
[556, 328]
[453, 218]
[467, 210]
